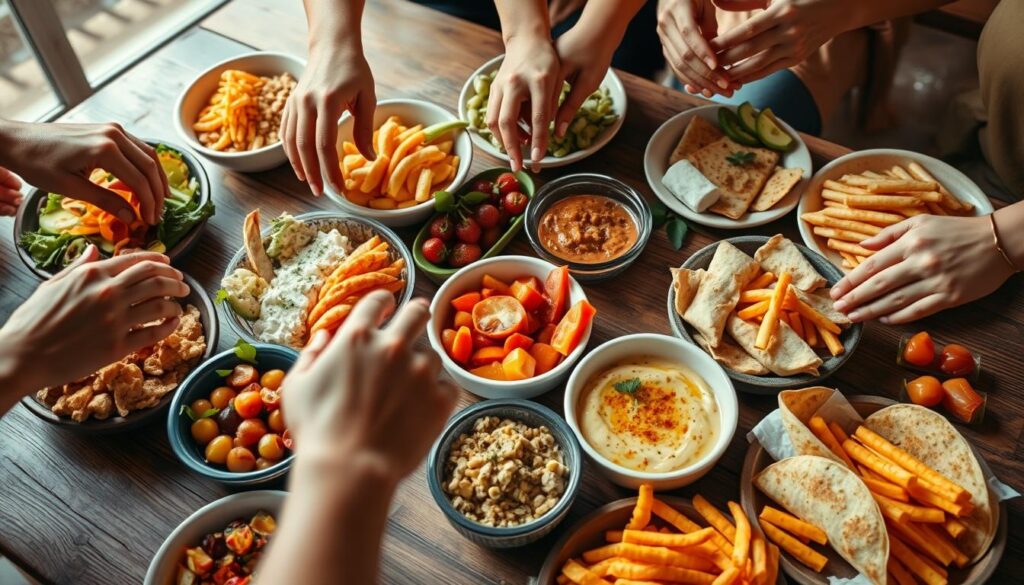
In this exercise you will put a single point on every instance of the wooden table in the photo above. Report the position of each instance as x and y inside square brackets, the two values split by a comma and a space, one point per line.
[86, 510]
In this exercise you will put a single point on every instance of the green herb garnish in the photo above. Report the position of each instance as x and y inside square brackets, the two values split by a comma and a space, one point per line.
[740, 158]
[221, 296]
[191, 414]
[245, 351]
[629, 386]
[675, 226]
[224, 373]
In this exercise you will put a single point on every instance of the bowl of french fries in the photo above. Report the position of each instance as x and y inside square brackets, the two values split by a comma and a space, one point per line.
[420, 148]
[231, 113]
[858, 195]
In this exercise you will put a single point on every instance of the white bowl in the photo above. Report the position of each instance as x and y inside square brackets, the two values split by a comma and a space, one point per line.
[506, 268]
[197, 94]
[669, 348]
[615, 88]
[878, 160]
[212, 517]
[664, 141]
[412, 112]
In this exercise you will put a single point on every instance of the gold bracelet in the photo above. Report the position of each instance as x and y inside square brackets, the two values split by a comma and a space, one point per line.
[998, 245]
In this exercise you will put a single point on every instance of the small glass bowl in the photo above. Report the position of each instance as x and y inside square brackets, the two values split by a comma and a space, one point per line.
[590, 184]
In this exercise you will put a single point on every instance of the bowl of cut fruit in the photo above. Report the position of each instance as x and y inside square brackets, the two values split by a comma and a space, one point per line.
[474, 222]
[226, 422]
[510, 327]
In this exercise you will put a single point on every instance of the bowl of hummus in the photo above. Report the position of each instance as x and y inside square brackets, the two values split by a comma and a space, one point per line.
[651, 408]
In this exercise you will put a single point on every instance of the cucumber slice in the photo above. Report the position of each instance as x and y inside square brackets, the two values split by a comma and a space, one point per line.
[104, 245]
[58, 221]
[770, 133]
[748, 117]
[730, 124]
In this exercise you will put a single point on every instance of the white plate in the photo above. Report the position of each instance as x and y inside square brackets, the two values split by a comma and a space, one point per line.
[877, 160]
[615, 89]
[664, 141]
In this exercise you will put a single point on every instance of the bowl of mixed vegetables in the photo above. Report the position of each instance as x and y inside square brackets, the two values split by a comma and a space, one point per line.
[593, 125]
[52, 230]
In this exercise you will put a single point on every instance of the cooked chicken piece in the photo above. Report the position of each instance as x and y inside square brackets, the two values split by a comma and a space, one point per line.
[184, 345]
[74, 404]
[100, 406]
[49, 396]
[124, 381]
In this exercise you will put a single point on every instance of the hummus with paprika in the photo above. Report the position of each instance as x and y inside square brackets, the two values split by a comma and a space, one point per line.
[650, 415]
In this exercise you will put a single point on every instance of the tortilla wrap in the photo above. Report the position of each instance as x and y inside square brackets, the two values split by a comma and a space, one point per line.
[833, 498]
[932, 439]
[787, 354]
[797, 407]
[729, 271]
[732, 356]
[685, 283]
[780, 255]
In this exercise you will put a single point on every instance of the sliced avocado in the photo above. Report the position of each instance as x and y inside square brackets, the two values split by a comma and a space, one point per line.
[58, 221]
[730, 124]
[247, 311]
[74, 250]
[770, 133]
[748, 117]
[104, 245]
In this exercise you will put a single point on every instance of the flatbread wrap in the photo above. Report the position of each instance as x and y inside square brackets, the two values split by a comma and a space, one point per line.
[729, 271]
[780, 255]
[797, 407]
[786, 355]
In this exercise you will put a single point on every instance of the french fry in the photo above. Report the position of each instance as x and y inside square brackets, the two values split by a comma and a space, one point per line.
[771, 316]
[835, 347]
[669, 540]
[842, 246]
[796, 323]
[898, 574]
[348, 148]
[798, 550]
[820, 429]
[938, 535]
[871, 201]
[383, 203]
[837, 431]
[727, 577]
[881, 218]
[811, 331]
[876, 185]
[642, 511]
[439, 173]
[715, 518]
[601, 568]
[949, 200]
[654, 555]
[883, 467]
[748, 313]
[915, 513]
[346, 288]
[375, 175]
[885, 488]
[759, 558]
[404, 134]
[613, 536]
[350, 162]
[889, 509]
[929, 498]
[905, 460]
[954, 527]
[911, 533]
[673, 517]
[579, 574]
[817, 318]
[331, 319]
[425, 156]
[793, 525]
[632, 570]
[741, 550]
[840, 234]
[910, 211]
[844, 188]
[762, 281]
[423, 185]
[912, 561]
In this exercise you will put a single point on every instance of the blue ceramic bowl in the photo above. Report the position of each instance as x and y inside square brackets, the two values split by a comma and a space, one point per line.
[524, 411]
[199, 384]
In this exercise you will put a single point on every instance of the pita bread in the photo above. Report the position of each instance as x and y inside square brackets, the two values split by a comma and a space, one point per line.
[830, 496]
[729, 271]
[932, 439]
[787, 354]
[797, 407]
[780, 255]
[776, 188]
[732, 356]
[685, 283]
[254, 249]
[821, 302]
[698, 134]
[739, 183]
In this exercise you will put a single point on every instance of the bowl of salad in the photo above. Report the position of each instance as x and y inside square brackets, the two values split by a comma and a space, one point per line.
[52, 230]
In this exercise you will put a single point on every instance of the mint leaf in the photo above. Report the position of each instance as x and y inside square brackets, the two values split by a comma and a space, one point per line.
[444, 201]
[245, 351]
[629, 386]
[676, 230]
[221, 296]
[659, 214]
[224, 373]
[210, 412]
[185, 410]
[474, 198]
[740, 158]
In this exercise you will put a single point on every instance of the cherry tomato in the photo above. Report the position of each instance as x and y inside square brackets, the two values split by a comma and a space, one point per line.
[487, 215]
[248, 404]
[468, 230]
[961, 400]
[200, 406]
[242, 375]
[204, 430]
[483, 185]
[250, 432]
[926, 391]
[464, 254]
[287, 438]
[275, 420]
[442, 227]
[498, 316]
[217, 449]
[271, 399]
[514, 202]
[241, 460]
[271, 447]
[920, 350]
[272, 379]
[262, 463]
[507, 183]
[434, 251]
[956, 360]
[222, 396]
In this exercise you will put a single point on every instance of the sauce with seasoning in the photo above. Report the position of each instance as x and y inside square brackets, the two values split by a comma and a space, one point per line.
[587, 229]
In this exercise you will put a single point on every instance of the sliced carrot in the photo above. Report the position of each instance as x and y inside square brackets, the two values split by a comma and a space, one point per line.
[547, 357]
[462, 346]
[486, 355]
[481, 340]
[462, 319]
[492, 371]
[466, 302]
[545, 333]
[517, 340]
[448, 340]
[571, 328]
[487, 292]
[496, 285]
[556, 289]
[529, 296]
[519, 365]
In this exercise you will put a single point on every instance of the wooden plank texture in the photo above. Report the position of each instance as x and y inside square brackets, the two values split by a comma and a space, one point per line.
[94, 510]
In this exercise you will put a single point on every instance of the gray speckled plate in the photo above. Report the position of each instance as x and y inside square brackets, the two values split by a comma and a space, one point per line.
[770, 384]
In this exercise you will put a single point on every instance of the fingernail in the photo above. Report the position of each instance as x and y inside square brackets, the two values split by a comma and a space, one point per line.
[723, 83]
[711, 63]
[126, 216]
[855, 315]
[536, 155]
[840, 305]
[884, 320]
[562, 128]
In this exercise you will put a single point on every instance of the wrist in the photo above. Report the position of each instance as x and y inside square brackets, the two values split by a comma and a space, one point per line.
[329, 465]
[7, 142]
[1009, 243]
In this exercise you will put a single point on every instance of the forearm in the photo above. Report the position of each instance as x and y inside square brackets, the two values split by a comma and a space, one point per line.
[867, 12]
[334, 25]
[9, 130]
[523, 18]
[610, 17]
[332, 524]
[16, 374]
[1010, 225]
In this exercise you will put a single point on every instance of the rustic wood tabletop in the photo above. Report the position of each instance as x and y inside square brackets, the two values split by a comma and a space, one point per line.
[93, 510]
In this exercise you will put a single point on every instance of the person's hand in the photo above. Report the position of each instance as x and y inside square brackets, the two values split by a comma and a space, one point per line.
[59, 158]
[923, 265]
[685, 28]
[560, 10]
[782, 36]
[367, 393]
[526, 88]
[336, 79]
[10, 192]
[92, 313]
[585, 53]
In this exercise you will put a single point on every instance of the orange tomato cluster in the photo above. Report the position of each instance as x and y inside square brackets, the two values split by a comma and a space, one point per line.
[516, 331]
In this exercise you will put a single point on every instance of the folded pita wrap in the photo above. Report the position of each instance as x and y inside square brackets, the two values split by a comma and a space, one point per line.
[823, 303]
[685, 283]
[786, 355]
[729, 271]
[797, 407]
[929, 437]
[833, 498]
[780, 255]
[732, 356]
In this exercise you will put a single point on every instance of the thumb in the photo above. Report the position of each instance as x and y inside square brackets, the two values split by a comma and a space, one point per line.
[578, 93]
[888, 235]
[90, 254]
[105, 199]
[362, 123]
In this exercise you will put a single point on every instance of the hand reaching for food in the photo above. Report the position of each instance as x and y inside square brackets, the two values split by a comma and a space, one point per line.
[585, 52]
[91, 314]
[926, 264]
[685, 28]
[60, 157]
[10, 192]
